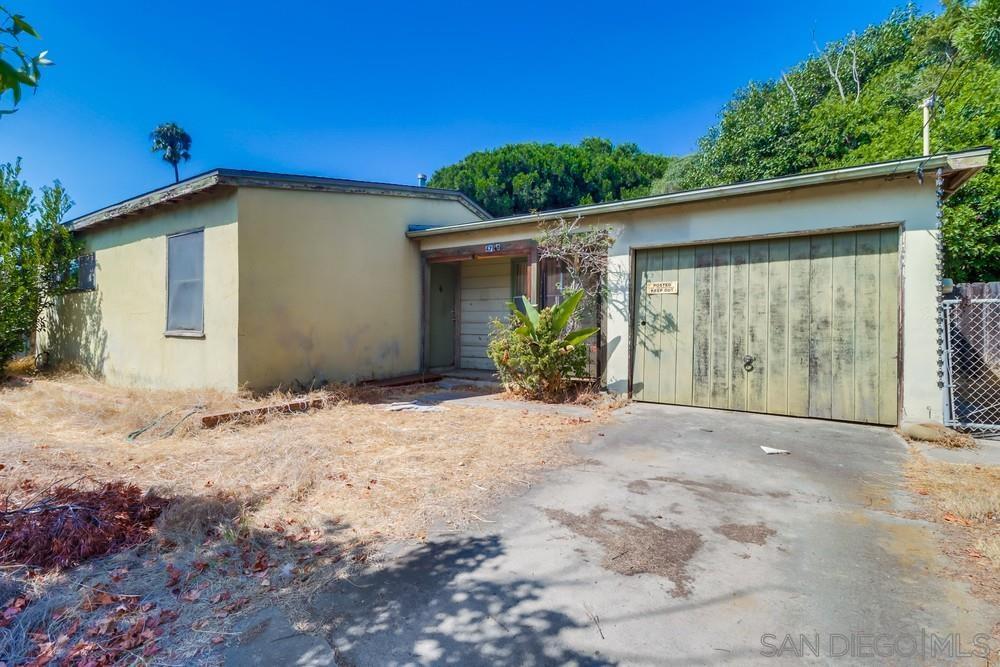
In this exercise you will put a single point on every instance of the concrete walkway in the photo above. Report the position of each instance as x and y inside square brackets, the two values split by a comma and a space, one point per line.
[677, 542]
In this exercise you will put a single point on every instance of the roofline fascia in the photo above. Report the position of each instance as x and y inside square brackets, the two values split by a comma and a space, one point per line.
[967, 163]
[239, 178]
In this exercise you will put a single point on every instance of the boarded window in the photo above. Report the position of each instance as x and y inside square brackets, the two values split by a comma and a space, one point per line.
[185, 282]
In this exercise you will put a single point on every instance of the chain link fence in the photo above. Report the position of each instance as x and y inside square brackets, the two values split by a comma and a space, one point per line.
[972, 364]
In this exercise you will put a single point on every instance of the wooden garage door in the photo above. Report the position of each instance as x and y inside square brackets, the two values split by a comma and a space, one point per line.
[804, 326]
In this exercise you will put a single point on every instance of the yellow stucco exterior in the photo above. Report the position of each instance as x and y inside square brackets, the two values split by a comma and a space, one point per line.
[117, 331]
[300, 286]
[330, 287]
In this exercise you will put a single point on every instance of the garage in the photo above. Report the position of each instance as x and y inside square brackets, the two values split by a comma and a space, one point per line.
[810, 295]
[806, 326]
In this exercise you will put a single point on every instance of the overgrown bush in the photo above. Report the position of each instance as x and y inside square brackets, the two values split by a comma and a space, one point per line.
[533, 356]
[36, 256]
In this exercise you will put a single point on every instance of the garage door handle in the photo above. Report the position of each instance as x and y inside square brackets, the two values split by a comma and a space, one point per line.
[748, 363]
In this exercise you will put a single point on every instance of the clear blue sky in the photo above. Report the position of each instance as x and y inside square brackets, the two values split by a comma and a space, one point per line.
[383, 90]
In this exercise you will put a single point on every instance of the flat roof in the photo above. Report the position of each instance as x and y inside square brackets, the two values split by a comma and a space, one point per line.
[221, 178]
[957, 168]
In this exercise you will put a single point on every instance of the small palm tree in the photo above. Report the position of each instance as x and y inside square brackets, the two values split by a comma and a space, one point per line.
[175, 144]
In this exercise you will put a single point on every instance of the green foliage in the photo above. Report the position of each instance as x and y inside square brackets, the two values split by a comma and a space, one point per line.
[36, 254]
[856, 101]
[532, 354]
[979, 34]
[519, 178]
[174, 143]
[17, 68]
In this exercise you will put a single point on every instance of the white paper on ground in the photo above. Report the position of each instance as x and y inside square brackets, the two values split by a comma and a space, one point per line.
[413, 407]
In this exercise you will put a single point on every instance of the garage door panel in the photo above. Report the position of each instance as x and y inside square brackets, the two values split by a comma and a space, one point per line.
[650, 331]
[777, 330]
[817, 314]
[798, 327]
[684, 335]
[757, 325]
[844, 267]
[638, 310]
[820, 326]
[643, 315]
[866, 327]
[702, 326]
[667, 328]
[721, 270]
[738, 323]
[888, 325]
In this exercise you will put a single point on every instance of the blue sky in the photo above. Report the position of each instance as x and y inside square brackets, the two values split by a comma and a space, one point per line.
[382, 91]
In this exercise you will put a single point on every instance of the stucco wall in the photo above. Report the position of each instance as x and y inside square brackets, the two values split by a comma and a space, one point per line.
[117, 331]
[902, 201]
[330, 287]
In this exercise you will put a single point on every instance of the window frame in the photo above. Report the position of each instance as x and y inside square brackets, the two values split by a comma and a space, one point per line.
[76, 270]
[183, 333]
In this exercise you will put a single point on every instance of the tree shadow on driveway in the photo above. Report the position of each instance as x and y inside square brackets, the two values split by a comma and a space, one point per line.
[440, 605]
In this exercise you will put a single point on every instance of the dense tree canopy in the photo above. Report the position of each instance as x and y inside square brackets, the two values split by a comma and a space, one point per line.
[519, 178]
[853, 101]
[857, 101]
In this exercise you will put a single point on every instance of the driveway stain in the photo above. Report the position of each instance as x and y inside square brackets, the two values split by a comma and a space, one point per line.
[638, 486]
[708, 488]
[746, 533]
[642, 547]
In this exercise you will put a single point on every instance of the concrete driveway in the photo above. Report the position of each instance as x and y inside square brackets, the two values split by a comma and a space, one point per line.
[678, 541]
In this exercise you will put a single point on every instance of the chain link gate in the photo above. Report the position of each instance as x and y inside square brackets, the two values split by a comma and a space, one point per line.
[972, 364]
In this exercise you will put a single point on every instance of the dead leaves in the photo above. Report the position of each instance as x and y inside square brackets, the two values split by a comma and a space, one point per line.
[13, 607]
[128, 630]
[954, 518]
[65, 525]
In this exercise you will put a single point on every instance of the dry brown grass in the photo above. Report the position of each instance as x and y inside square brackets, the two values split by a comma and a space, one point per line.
[965, 496]
[353, 465]
[317, 492]
[21, 366]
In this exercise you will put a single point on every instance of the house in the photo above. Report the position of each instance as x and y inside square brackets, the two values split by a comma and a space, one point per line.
[809, 295]
[235, 278]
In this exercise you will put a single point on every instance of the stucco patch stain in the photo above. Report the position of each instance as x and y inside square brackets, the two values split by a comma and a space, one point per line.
[708, 488]
[746, 533]
[642, 547]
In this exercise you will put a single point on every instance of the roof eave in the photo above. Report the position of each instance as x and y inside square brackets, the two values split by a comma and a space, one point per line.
[169, 194]
[231, 178]
[958, 168]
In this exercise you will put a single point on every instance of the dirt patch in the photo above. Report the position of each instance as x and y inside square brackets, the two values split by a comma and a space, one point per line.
[638, 486]
[746, 533]
[965, 500]
[711, 487]
[642, 547]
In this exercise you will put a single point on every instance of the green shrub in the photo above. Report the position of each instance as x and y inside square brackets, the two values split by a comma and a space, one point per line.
[532, 355]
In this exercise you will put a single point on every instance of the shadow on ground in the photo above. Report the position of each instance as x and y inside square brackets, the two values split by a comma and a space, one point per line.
[427, 608]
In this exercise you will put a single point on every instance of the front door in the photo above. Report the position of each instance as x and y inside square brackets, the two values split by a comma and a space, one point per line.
[441, 316]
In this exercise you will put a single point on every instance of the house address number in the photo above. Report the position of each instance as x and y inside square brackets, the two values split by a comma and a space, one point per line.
[668, 287]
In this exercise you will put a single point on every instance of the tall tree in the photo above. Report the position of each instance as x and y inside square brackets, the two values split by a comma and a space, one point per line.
[17, 68]
[857, 100]
[174, 143]
[36, 255]
[518, 178]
